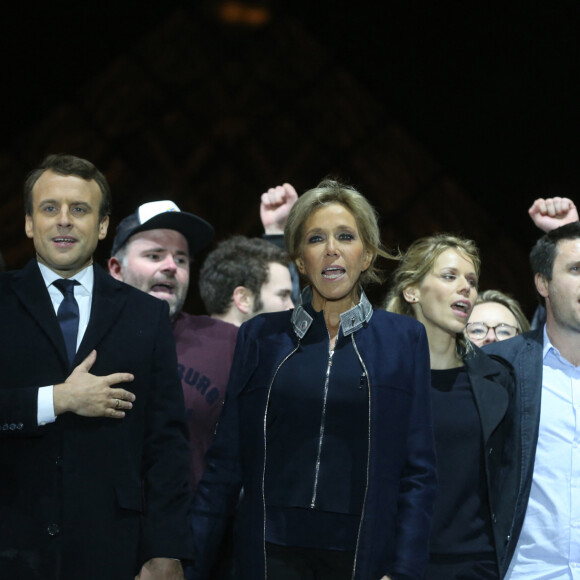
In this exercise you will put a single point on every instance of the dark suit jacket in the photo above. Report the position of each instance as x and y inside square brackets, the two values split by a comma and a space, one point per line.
[89, 498]
[493, 387]
[524, 352]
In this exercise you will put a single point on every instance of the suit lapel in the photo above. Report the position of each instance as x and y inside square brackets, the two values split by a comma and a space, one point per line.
[529, 370]
[491, 398]
[528, 364]
[28, 284]
[108, 301]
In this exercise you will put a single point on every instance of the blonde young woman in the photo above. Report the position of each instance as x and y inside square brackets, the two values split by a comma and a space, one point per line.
[326, 426]
[436, 283]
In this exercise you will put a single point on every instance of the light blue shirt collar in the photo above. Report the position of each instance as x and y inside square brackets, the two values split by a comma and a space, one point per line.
[552, 357]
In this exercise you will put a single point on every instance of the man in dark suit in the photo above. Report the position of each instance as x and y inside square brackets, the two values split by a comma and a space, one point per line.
[545, 537]
[93, 443]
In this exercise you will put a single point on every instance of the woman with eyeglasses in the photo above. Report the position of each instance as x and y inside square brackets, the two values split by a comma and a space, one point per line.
[495, 316]
[471, 395]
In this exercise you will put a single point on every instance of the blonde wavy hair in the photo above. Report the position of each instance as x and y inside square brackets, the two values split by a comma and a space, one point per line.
[327, 192]
[417, 262]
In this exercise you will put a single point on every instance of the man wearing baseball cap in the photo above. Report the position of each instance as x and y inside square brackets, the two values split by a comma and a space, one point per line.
[152, 251]
[153, 247]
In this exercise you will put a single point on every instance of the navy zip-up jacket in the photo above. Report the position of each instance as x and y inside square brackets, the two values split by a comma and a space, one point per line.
[401, 474]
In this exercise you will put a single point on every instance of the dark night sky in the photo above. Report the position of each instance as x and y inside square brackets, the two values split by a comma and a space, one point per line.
[492, 93]
[491, 90]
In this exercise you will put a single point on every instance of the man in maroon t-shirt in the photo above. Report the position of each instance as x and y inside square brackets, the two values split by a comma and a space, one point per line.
[242, 277]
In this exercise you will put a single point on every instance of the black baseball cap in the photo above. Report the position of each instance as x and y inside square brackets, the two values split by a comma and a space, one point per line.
[164, 215]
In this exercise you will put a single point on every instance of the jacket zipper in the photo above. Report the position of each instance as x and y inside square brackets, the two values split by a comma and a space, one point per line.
[322, 426]
[320, 442]
[368, 457]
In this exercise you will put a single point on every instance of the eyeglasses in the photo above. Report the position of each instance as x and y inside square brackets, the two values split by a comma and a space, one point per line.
[479, 330]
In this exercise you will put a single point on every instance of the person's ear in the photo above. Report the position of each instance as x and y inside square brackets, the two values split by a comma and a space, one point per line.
[103, 227]
[300, 265]
[115, 269]
[541, 285]
[412, 294]
[243, 299]
[29, 226]
[367, 260]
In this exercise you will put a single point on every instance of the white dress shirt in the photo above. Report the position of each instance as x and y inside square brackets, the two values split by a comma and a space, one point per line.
[83, 295]
[549, 544]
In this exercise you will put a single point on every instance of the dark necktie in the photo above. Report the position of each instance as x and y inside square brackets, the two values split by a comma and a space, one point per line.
[68, 315]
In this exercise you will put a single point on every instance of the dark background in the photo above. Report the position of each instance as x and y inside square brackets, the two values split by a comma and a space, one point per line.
[488, 92]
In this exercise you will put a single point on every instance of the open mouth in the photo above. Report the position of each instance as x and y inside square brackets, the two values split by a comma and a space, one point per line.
[333, 273]
[64, 241]
[162, 289]
[462, 307]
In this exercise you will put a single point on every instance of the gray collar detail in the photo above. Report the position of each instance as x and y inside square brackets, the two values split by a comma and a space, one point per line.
[350, 321]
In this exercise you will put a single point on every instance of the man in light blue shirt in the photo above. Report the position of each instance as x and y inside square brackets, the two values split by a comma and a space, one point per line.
[545, 538]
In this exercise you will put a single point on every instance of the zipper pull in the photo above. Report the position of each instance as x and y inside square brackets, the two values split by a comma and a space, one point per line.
[363, 381]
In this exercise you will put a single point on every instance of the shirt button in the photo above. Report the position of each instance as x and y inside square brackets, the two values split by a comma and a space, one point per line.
[52, 529]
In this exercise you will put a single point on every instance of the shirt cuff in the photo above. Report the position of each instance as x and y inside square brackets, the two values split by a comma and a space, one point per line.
[45, 413]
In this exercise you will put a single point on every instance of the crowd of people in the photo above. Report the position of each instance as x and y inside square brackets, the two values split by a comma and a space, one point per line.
[293, 431]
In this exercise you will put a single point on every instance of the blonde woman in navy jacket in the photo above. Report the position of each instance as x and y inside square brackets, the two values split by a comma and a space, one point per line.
[326, 427]
[473, 414]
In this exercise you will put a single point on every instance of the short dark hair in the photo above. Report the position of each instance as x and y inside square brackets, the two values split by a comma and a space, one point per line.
[237, 261]
[543, 254]
[65, 164]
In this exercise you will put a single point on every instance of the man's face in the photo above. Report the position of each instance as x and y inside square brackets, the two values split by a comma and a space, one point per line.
[64, 224]
[276, 292]
[562, 292]
[156, 262]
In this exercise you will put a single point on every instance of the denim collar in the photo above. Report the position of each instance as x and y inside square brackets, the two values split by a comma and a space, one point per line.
[350, 321]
